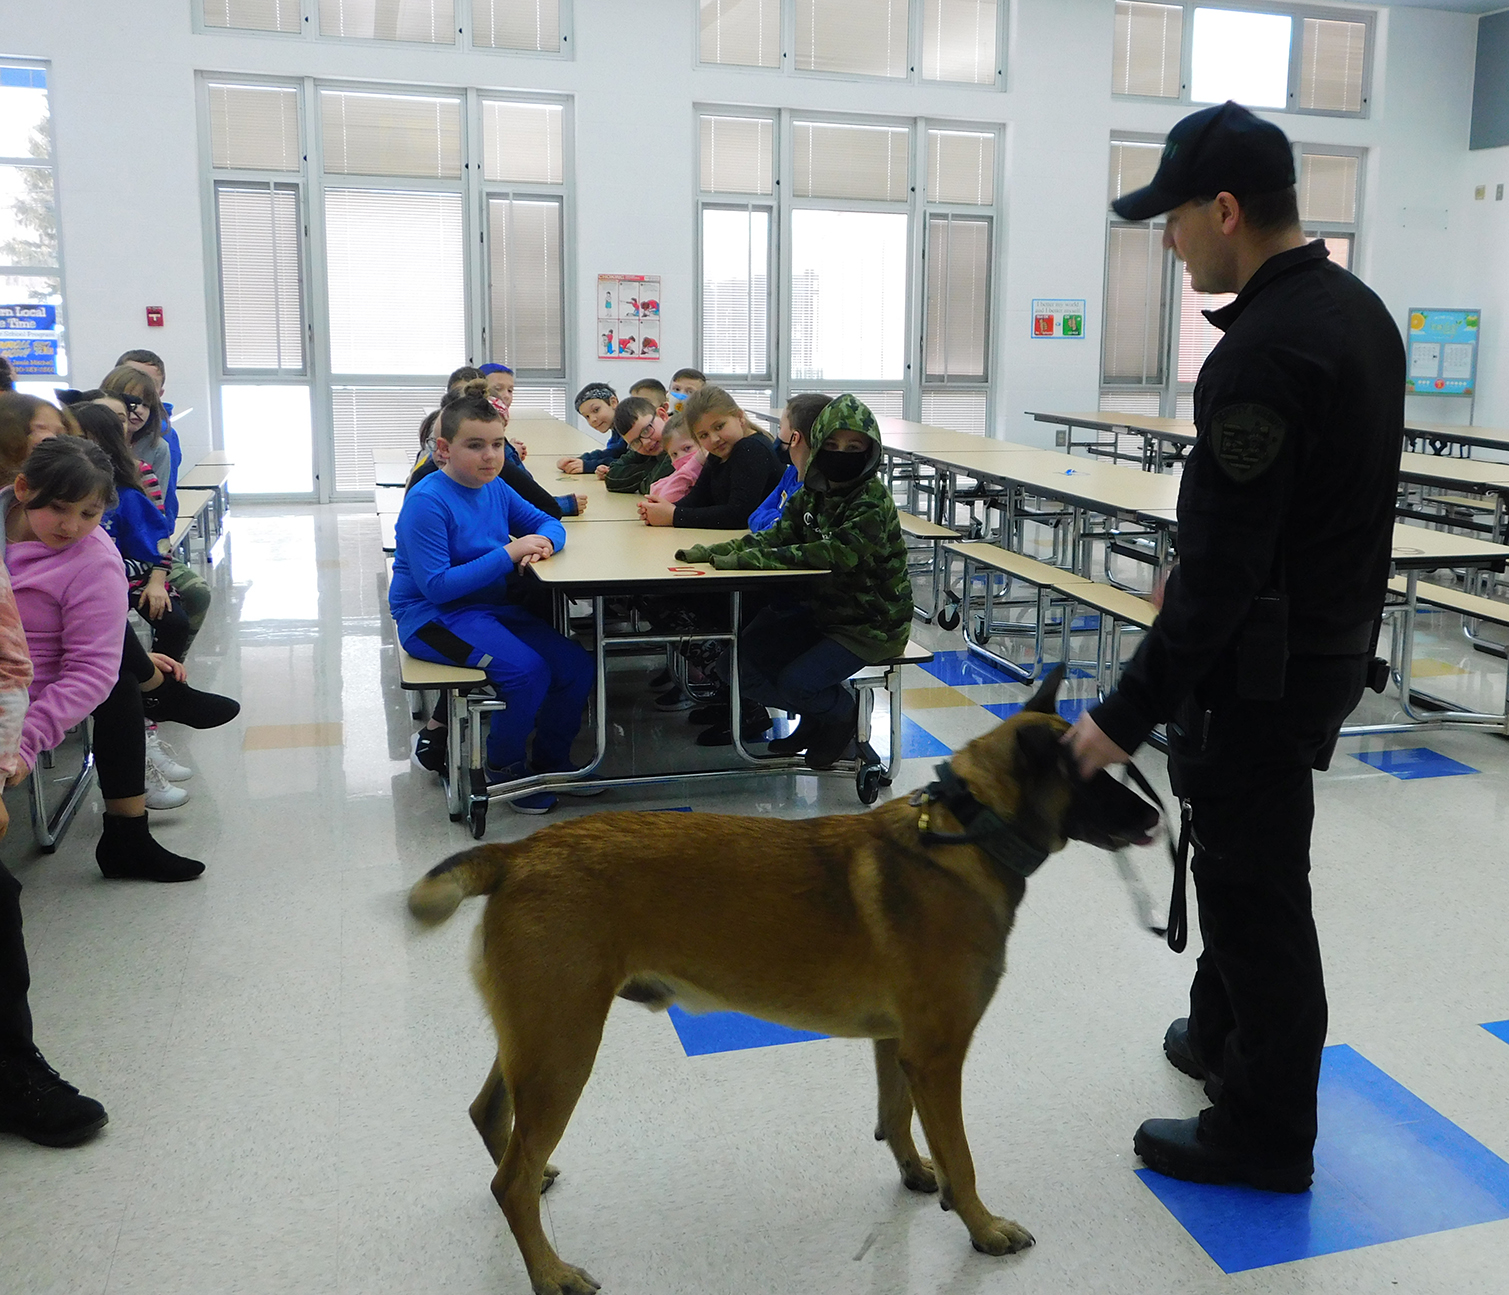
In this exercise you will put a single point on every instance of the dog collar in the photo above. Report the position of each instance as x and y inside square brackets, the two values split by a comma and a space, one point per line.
[983, 827]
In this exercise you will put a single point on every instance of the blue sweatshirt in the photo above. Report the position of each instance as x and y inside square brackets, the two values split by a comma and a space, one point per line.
[451, 547]
[616, 445]
[768, 513]
[175, 461]
[140, 532]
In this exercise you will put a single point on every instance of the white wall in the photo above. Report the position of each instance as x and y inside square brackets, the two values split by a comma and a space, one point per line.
[130, 190]
[1483, 275]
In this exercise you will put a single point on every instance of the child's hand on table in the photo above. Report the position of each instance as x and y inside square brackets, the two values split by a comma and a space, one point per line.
[657, 513]
[528, 549]
[602, 471]
[571, 467]
[520, 447]
[581, 504]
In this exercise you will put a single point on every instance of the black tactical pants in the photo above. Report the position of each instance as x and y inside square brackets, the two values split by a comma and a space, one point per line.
[1258, 1001]
[15, 1016]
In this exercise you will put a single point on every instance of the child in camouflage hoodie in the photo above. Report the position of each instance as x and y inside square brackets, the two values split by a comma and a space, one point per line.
[796, 656]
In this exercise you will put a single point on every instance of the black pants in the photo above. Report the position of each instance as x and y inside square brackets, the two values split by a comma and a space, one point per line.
[15, 978]
[120, 735]
[1258, 1001]
[172, 632]
[787, 662]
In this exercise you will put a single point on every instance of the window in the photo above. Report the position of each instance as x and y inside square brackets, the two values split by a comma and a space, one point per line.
[254, 15]
[833, 161]
[736, 155]
[517, 25]
[431, 21]
[1293, 57]
[525, 285]
[961, 167]
[522, 142]
[955, 41]
[390, 134]
[1330, 180]
[848, 295]
[1133, 341]
[958, 298]
[376, 422]
[31, 283]
[254, 127]
[261, 287]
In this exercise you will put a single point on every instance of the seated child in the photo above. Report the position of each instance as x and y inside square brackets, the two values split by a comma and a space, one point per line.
[683, 383]
[646, 463]
[796, 417]
[686, 458]
[461, 534]
[741, 468]
[653, 390]
[797, 655]
[596, 402]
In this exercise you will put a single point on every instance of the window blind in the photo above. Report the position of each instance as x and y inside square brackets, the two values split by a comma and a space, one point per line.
[1133, 164]
[1197, 335]
[395, 281]
[1328, 188]
[375, 423]
[1132, 347]
[1147, 50]
[527, 291]
[254, 15]
[254, 127]
[389, 134]
[958, 297]
[961, 167]
[1130, 402]
[746, 33]
[737, 155]
[517, 24]
[958, 411]
[735, 291]
[522, 141]
[848, 295]
[1330, 68]
[959, 41]
[833, 161]
[861, 37]
[431, 21]
[548, 400]
[261, 297]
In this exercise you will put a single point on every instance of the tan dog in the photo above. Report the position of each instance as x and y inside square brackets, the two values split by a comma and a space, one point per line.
[855, 925]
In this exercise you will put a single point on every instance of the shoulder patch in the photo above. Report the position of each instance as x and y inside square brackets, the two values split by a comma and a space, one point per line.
[1246, 439]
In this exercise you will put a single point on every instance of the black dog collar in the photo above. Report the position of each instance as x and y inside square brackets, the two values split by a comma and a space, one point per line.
[1002, 843]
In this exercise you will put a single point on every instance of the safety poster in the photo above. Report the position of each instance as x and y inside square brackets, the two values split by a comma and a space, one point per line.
[628, 316]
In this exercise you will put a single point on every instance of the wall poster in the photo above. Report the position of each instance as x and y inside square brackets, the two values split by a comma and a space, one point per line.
[628, 316]
[1443, 352]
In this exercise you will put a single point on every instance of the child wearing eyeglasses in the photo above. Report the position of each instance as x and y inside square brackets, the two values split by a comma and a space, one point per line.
[646, 462]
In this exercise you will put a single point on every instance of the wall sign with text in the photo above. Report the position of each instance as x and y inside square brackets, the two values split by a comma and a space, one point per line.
[29, 339]
[628, 317]
[1052, 318]
[1443, 352]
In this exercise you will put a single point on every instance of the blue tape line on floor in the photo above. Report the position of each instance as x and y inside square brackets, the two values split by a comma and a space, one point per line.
[731, 1032]
[1387, 1166]
[1413, 762]
[1499, 1029]
[917, 743]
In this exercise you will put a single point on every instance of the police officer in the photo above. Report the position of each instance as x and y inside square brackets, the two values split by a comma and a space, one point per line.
[1266, 631]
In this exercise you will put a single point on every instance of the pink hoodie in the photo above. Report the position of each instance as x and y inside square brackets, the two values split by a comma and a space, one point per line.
[73, 606]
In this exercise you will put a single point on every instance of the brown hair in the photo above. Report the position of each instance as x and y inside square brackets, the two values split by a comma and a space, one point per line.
[802, 410]
[712, 400]
[468, 404]
[16, 412]
[125, 381]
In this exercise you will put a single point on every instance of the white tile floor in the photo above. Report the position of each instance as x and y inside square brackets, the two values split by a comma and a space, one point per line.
[287, 1060]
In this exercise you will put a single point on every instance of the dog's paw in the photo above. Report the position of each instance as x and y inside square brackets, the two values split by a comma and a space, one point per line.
[1001, 1237]
[564, 1279]
[919, 1176]
[547, 1181]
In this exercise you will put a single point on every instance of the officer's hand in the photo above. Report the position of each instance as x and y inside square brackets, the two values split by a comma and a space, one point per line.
[1092, 749]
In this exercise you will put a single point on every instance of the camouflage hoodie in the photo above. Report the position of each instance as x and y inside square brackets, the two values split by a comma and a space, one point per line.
[849, 529]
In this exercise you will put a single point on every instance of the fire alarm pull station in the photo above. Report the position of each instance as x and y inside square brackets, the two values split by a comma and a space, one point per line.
[154, 316]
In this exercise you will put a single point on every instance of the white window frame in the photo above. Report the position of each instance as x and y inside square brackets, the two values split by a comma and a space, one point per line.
[1324, 228]
[309, 30]
[916, 14]
[1298, 12]
[312, 183]
[45, 271]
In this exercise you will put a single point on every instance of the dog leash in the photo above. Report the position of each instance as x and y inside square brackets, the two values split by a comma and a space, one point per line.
[1002, 844]
[1177, 930]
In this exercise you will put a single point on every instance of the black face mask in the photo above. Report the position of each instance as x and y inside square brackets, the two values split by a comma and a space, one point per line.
[782, 453]
[839, 466]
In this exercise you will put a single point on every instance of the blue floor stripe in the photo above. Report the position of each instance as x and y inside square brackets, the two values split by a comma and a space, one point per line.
[1413, 762]
[1387, 1166]
[1069, 707]
[731, 1032]
[1499, 1029]
[917, 743]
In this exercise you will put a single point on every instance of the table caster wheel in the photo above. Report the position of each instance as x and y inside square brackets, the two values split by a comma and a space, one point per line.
[868, 785]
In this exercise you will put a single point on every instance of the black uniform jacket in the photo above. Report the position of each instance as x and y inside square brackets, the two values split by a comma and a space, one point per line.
[1291, 482]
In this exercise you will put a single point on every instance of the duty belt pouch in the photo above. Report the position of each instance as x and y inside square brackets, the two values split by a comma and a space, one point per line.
[1263, 648]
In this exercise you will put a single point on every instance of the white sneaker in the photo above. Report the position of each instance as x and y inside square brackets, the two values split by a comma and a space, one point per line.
[162, 755]
[162, 794]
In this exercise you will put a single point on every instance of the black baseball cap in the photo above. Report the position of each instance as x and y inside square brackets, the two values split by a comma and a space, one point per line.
[1221, 149]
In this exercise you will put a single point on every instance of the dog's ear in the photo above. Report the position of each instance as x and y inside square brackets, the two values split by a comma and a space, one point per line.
[1045, 699]
[1039, 746]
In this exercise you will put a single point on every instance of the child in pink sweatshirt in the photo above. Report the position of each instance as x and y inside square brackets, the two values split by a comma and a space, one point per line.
[678, 443]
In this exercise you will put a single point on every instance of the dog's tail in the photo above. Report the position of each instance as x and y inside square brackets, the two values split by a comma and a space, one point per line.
[439, 893]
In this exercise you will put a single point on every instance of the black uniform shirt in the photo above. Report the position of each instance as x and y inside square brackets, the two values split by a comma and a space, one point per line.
[1291, 482]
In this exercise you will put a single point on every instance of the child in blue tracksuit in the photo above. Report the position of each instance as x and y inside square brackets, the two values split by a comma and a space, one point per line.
[462, 534]
[800, 413]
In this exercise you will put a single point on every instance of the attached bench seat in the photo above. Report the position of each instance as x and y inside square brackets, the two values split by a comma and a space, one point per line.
[1455, 600]
[932, 534]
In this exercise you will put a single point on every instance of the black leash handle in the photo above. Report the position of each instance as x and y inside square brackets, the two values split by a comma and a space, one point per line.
[1177, 931]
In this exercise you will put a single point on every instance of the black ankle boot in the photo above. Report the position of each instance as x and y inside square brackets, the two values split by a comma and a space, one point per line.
[38, 1104]
[795, 742]
[175, 701]
[127, 852]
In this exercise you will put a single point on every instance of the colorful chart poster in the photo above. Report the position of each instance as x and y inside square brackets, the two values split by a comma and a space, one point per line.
[29, 339]
[628, 316]
[1052, 318]
[1443, 352]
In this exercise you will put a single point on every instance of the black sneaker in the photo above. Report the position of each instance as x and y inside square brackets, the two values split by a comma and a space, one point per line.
[675, 699]
[662, 681]
[830, 741]
[715, 712]
[753, 728]
[795, 742]
[429, 748]
[176, 701]
[38, 1104]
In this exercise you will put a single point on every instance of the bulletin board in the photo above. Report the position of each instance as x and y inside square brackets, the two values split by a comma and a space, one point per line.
[1443, 352]
[628, 316]
[29, 339]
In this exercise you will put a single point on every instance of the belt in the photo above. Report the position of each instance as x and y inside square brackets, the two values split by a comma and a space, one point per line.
[1312, 640]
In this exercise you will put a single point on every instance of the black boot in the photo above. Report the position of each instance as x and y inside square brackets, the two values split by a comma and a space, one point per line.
[36, 1103]
[1193, 1151]
[175, 701]
[832, 740]
[127, 852]
[1179, 1048]
[754, 724]
[795, 742]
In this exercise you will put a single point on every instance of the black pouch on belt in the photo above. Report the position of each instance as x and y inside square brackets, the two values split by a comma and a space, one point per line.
[1263, 648]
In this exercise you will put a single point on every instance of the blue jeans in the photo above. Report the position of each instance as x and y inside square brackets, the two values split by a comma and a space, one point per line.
[544, 677]
[785, 661]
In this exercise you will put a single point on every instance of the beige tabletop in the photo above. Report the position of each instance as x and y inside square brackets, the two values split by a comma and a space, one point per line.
[549, 439]
[216, 458]
[1421, 547]
[1105, 487]
[630, 553]
[207, 476]
[1466, 474]
[603, 505]
[1177, 430]
[1489, 437]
